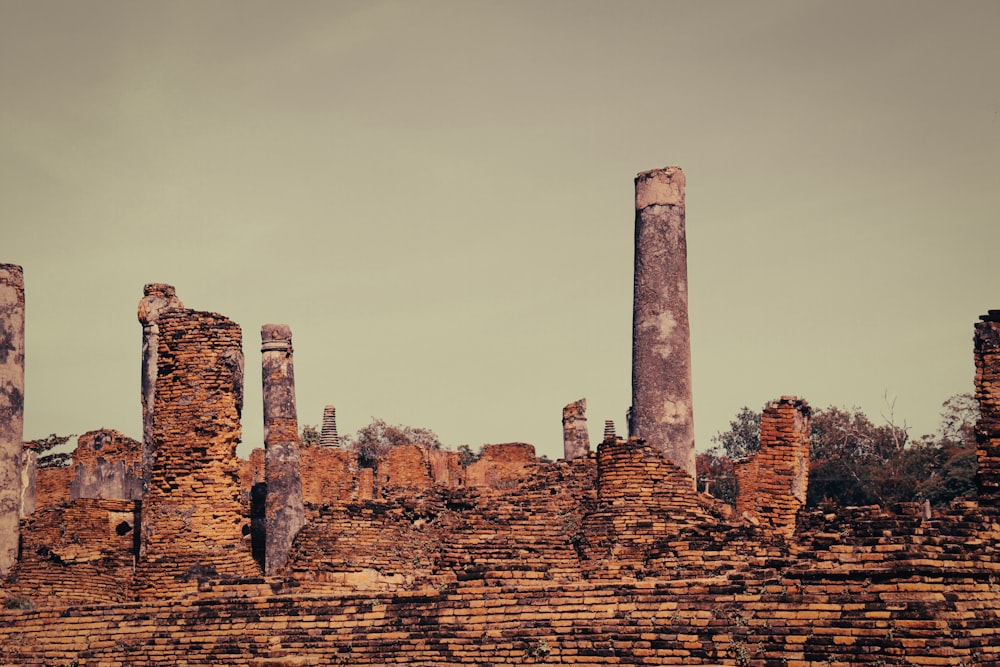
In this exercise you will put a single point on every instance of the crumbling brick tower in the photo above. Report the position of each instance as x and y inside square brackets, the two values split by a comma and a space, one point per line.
[11, 410]
[284, 508]
[192, 515]
[661, 340]
[987, 354]
[774, 482]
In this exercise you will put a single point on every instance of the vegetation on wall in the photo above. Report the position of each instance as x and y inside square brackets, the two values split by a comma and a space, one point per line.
[855, 462]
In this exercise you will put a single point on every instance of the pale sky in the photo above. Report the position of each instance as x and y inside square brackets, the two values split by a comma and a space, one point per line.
[438, 198]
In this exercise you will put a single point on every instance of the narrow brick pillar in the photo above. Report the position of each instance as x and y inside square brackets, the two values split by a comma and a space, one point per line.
[987, 355]
[11, 410]
[193, 518]
[328, 435]
[576, 437]
[662, 411]
[284, 509]
[773, 483]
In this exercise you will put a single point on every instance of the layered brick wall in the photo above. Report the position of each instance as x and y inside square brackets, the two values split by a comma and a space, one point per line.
[987, 381]
[106, 464]
[861, 586]
[500, 466]
[773, 482]
[193, 517]
[329, 474]
[52, 485]
[78, 553]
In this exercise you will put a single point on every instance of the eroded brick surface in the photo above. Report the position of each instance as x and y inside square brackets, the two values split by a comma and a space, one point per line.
[193, 517]
[773, 482]
[609, 558]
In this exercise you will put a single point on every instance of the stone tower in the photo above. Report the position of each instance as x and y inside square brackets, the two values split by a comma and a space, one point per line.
[662, 410]
[11, 410]
[328, 435]
[157, 298]
[284, 510]
[576, 438]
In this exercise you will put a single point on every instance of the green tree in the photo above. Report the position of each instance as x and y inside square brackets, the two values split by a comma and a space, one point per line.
[743, 437]
[715, 468]
[309, 435]
[373, 442]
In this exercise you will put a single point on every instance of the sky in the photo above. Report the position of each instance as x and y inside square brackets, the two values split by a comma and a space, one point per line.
[437, 197]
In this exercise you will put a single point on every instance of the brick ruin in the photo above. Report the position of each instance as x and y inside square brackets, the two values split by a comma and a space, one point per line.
[608, 556]
[773, 482]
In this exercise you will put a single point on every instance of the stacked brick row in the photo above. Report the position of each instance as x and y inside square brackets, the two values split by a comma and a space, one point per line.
[772, 484]
[987, 358]
[747, 618]
[642, 499]
[193, 517]
[329, 475]
[80, 552]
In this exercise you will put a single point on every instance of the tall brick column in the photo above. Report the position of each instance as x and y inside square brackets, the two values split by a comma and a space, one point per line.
[11, 410]
[157, 298]
[662, 411]
[576, 437]
[284, 509]
[774, 482]
[193, 522]
[987, 355]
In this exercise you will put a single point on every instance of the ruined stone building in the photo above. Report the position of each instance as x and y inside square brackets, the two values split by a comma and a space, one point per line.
[172, 551]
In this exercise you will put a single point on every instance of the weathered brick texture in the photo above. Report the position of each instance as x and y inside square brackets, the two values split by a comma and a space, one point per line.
[773, 482]
[193, 520]
[987, 358]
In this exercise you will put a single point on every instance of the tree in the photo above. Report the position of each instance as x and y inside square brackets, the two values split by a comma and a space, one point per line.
[715, 468]
[54, 459]
[374, 441]
[309, 436]
[952, 473]
[855, 462]
[743, 437]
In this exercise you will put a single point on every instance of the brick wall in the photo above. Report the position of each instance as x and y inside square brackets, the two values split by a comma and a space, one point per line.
[987, 382]
[500, 465]
[107, 464]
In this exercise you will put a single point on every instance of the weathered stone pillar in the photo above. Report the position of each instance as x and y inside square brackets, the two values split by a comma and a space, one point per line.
[773, 483]
[661, 347]
[157, 298]
[987, 356]
[284, 509]
[576, 438]
[29, 482]
[11, 410]
[194, 522]
[328, 435]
